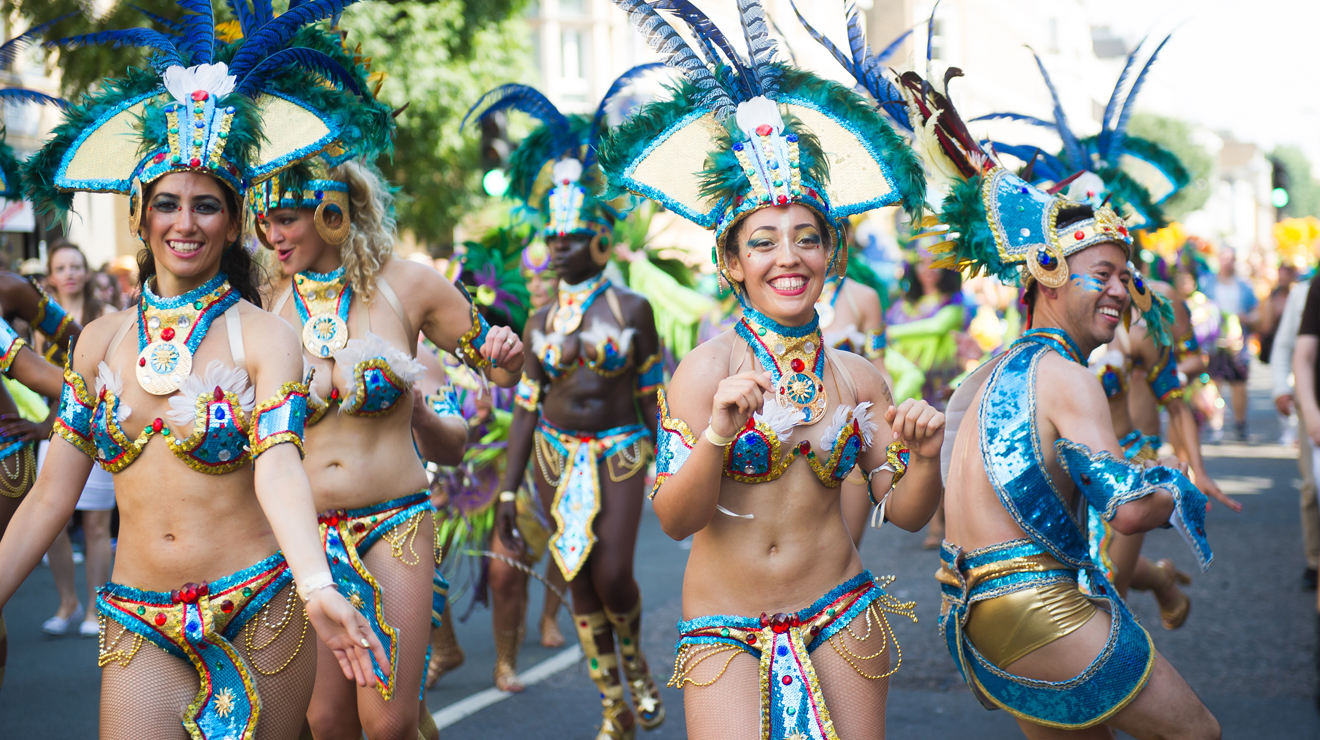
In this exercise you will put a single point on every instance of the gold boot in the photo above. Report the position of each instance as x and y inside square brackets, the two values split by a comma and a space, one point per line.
[507, 645]
[645, 694]
[617, 721]
[426, 729]
[446, 655]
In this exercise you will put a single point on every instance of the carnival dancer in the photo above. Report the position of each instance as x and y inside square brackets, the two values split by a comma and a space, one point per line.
[224, 573]
[586, 401]
[1136, 177]
[1035, 441]
[330, 223]
[744, 151]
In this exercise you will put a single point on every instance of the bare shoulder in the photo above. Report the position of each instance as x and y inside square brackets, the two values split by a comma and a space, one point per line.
[629, 298]
[861, 292]
[93, 343]
[1062, 383]
[266, 333]
[698, 375]
[404, 275]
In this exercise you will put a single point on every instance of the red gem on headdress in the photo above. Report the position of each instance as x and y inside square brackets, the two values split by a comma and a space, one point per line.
[168, 334]
[158, 158]
[764, 129]
[812, 192]
[782, 200]
[1123, 230]
[566, 181]
[797, 364]
[1079, 235]
[194, 162]
[200, 95]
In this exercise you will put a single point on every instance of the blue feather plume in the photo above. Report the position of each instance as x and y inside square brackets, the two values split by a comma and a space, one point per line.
[24, 95]
[1047, 167]
[598, 120]
[198, 42]
[1071, 146]
[10, 50]
[263, 12]
[1111, 108]
[866, 69]
[272, 36]
[1034, 121]
[311, 59]
[709, 34]
[1119, 130]
[823, 40]
[143, 37]
[247, 19]
[665, 41]
[174, 27]
[527, 99]
[760, 47]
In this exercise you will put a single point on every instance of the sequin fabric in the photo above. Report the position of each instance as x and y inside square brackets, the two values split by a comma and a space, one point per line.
[793, 707]
[197, 623]
[528, 394]
[10, 343]
[346, 535]
[650, 374]
[444, 402]
[1113, 679]
[280, 419]
[52, 321]
[1163, 377]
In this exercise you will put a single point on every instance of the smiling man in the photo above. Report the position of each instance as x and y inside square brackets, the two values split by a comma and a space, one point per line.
[1032, 623]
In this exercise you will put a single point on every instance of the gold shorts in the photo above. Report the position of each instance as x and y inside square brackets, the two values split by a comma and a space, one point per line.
[1007, 627]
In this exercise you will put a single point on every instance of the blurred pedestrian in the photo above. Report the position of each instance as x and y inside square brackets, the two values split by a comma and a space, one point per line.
[105, 287]
[70, 281]
[1230, 363]
[1281, 369]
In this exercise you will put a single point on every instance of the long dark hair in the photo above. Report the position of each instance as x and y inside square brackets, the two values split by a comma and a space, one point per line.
[244, 272]
[92, 305]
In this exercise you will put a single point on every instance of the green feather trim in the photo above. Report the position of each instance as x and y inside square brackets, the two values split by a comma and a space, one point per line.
[964, 212]
[499, 256]
[543, 145]
[10, 168]
[1159, 319]
[627, 141]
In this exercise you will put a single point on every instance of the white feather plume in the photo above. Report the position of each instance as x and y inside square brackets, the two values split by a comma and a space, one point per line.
[107, 378]
[780, 419]
[541, 340]
[566, 169]
[212, 78]
[849, 332]
[845, 415]
[183, 405]
[757, 111]
[599, 330]
[407, 368]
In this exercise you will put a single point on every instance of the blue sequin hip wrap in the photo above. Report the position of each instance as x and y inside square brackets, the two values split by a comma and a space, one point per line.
[198, 623]
[792, 704]
[347, 535]
[1112, 680]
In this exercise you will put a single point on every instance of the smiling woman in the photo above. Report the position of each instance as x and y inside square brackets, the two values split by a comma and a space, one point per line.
[219, 560]
[735, 152]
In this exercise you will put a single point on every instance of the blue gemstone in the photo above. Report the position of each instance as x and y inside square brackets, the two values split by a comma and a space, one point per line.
[220, 414]
[229, 109]
[737, 146]
[774, 164]
[792, 137]
[782, 651]
[199, 124]
[1046, 260]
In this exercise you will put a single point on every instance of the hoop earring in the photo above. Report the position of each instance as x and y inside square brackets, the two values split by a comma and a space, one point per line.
[601, 250]
[1046, 263]
[334, 236]
[135, 209]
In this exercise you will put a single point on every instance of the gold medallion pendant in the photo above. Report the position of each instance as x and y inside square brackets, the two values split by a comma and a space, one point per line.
[170, 329]
[162, 366]
[322, 300]
[573, 303]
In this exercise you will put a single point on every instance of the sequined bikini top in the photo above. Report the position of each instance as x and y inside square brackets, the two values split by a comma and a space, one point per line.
[230, 429]
[381, 374]
[757, 454]
[611, 348]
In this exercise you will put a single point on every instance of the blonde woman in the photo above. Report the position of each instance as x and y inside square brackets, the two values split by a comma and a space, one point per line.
[359, 311]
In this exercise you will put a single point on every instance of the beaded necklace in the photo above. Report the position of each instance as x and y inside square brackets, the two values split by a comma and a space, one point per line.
[574, 300]
[794, 357]
[322, 300]
[170, 330]
[825, 309]
[1056, 339]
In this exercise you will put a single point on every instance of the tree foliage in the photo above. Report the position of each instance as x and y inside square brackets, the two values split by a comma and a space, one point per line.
[1177, 136]
[1303, 190]
[439, 57]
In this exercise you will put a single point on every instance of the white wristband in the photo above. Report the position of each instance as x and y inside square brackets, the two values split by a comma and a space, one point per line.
[316, 583]
[716, 439]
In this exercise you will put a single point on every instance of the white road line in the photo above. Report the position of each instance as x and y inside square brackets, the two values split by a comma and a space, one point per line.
[471, 705]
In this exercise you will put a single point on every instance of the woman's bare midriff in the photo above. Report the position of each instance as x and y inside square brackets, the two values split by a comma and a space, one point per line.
[794, 549]
[179, 526]
[592, 403]
[355, 461]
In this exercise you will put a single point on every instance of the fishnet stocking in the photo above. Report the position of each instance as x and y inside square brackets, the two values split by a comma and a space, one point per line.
[729, 707]
[146, 699]
[340, 709]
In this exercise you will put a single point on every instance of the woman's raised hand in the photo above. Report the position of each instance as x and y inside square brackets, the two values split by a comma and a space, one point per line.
[736, 399]
[919, 426]
[503, 348]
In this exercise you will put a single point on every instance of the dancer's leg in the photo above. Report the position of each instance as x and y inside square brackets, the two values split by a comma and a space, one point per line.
[279, 646]
[96, 535]
[146, 699]
[1124, 553]
[723, 702]
[508, 586]
[551, 637]
[856, 702]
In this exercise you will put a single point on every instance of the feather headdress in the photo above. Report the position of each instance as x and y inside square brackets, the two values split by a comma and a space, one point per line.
[1136, 175]
[743, 131]
[998, 223]
[10, 169]
[239, 112]
[554, 171]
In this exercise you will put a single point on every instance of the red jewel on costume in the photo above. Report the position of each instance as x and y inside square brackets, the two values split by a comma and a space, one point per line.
[194, 162]
[797, 364]
[160, 619]
[168, 334]
[219, 394]
[157, 425]
[142, 362]
[334, 394]
[226, 606]
[359, 527]
[764, 129]
[781, 200]
[788, 680]
[751, 639]
[1079, 235]
[200, 95]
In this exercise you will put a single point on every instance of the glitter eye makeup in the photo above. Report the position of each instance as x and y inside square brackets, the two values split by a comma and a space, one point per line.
[1087, 283]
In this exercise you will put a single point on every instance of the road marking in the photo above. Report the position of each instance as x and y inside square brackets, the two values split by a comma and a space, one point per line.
[1271, 451]
[471, 705]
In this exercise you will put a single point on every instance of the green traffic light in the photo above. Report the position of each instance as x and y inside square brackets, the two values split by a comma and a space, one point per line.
[495, 182]
[1279, 197]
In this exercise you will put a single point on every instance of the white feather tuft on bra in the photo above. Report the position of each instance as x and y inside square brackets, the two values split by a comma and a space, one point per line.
[780, 419]
[407, 368]
[183, 405]
[845, 415]
[107, 378]
[600, 330]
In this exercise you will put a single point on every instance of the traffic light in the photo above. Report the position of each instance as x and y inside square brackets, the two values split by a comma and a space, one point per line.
[495, 149]
[1279, 184]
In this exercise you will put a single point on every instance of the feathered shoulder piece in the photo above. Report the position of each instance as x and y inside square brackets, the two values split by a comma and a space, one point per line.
[996, 222]
[1136, 175]
[745, 132]
[239, 112]
[554, 171]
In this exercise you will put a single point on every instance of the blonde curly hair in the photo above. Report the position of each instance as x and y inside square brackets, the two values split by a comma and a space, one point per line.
[370, 242]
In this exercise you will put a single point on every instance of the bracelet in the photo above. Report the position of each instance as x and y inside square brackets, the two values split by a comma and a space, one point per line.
[316, 583]
[508, 497]
[716, 439]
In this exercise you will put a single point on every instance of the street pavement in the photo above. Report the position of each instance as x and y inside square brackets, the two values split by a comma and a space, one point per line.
[1248, 648]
